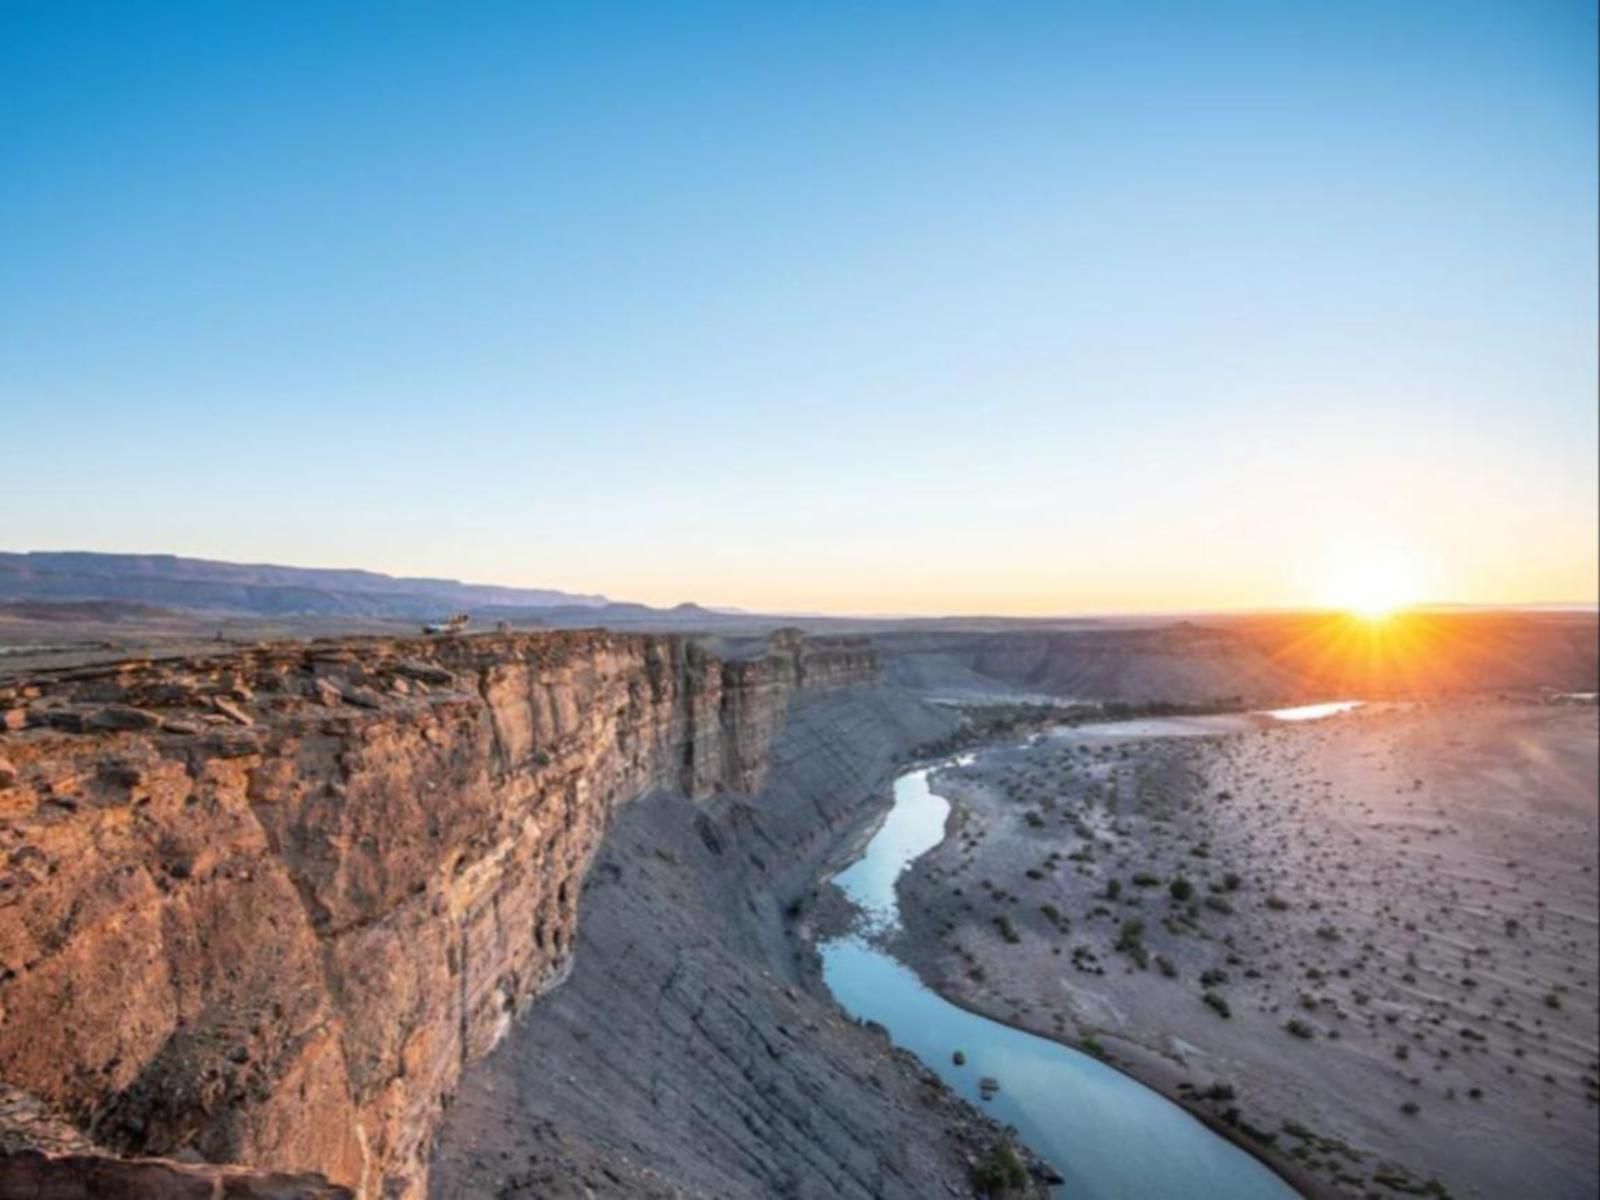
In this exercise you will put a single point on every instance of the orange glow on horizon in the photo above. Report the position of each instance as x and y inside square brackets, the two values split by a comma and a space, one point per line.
[1371, 581]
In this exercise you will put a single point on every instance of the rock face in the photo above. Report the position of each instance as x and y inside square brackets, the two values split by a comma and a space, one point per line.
[263, 907]
[93, 1177]
[695, 1051]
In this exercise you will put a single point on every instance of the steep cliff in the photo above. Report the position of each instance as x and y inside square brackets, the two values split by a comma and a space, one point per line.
[695, 1051]
[263, 907]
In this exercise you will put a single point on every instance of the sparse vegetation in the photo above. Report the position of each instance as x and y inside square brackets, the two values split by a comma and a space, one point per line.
[999, 1171]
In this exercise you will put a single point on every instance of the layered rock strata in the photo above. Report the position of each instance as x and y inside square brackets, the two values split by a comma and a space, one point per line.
[262, 907]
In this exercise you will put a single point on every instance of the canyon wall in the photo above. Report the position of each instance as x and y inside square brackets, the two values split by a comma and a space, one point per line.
[262, 907]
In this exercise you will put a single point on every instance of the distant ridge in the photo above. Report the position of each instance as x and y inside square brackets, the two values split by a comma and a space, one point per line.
[256, 588]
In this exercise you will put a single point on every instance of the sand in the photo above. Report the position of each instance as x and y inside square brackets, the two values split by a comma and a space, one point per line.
[1395, 908]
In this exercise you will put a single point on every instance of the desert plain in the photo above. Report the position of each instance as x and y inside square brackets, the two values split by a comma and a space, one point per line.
[1363, 946]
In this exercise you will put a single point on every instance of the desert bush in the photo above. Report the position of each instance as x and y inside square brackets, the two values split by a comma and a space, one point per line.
[999, 1171]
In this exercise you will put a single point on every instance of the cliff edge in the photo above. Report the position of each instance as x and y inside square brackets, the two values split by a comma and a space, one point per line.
[263, 907]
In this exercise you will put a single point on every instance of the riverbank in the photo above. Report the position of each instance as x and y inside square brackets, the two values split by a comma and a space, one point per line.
[1107, 1135]
[1256, 924]
[688, 1055]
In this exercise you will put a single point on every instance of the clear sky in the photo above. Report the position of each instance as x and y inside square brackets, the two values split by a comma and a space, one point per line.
[997, 306]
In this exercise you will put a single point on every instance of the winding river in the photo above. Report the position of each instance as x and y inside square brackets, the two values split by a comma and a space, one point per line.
[1109, 1136]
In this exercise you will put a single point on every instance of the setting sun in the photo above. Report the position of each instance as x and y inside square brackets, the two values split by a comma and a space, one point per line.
[1371, 582]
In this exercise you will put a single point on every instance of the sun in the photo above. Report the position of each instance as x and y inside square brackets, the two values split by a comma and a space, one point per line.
[1371, 582]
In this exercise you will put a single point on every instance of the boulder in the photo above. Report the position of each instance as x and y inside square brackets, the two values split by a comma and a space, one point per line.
[123, 717]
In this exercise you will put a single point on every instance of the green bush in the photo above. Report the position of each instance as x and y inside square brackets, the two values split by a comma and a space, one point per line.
[999, 1171]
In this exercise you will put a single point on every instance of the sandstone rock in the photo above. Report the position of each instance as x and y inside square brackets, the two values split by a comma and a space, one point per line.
[365, 899]
[232, 711]
[13, 719]
[97, 1177]
[8, 773]
[425, 672]
[361, 697]
[123, 717]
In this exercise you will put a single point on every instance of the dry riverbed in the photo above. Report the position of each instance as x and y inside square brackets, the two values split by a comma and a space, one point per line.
[1367, 944]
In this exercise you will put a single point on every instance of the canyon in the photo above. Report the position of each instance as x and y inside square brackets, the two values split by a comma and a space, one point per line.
[275, 915]
[262, 907]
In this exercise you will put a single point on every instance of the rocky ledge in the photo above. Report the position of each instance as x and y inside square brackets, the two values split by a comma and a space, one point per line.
[262, 907]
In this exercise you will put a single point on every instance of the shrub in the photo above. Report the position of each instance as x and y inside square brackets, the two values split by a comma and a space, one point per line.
[1181, 889]
[1299, 1028]
[1218, 1004]
[1146, 880]
[999, 1171]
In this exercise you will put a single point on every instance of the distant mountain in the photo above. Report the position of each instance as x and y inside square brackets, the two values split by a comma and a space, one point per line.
[259, 589]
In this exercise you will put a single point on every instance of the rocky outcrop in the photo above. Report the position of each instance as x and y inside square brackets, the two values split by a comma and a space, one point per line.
[695, 1051]
[262, 908]
[30, 1173]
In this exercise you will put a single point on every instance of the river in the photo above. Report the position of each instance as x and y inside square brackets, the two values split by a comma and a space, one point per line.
[1109, 1136]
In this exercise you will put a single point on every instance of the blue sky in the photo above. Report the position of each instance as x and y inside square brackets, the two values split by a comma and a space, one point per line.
[890, 307]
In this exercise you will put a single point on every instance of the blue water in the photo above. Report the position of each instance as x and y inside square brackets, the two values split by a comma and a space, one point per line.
[1314, 712]
[1110, 1137]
